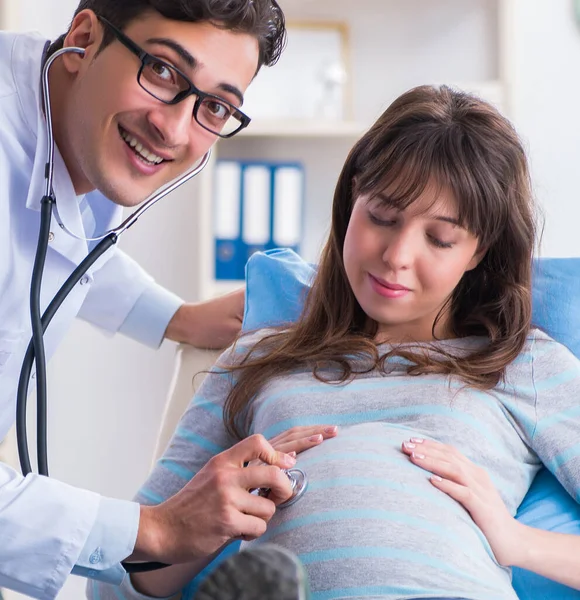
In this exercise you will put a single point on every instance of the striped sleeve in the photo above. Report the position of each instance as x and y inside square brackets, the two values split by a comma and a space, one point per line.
[556, 436]
[200, 435]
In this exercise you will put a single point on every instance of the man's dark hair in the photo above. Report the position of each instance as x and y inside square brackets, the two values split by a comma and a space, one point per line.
[262, 19]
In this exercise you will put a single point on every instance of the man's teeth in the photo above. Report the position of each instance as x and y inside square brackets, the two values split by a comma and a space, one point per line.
[138, 147]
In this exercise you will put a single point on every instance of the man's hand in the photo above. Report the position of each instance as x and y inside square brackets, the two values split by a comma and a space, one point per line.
[216, 506]
[211, 324]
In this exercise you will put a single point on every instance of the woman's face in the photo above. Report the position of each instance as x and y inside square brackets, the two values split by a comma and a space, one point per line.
[403, 265]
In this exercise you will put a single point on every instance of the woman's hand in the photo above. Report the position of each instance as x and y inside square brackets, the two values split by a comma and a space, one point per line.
[471, 486]
[298, 439]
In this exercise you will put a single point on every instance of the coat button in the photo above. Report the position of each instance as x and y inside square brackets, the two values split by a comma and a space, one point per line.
[84, 280]
[51, 237]
[96, 557]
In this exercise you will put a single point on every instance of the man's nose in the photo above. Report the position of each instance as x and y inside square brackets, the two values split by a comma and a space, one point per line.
[173, 122]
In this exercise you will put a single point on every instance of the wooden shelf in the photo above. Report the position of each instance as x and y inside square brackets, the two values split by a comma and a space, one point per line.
[304, 129]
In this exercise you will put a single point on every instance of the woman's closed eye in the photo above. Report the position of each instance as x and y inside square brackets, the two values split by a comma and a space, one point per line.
[383, 221]
[439, 243]
[442, 235]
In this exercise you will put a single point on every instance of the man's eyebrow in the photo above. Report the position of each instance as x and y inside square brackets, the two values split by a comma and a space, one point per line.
[193, 63]
[232, 89]
[190, 61]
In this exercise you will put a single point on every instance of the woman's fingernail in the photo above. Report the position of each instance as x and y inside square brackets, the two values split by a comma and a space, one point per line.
[417, 440]
[292, 454]
[332, 429]
[419, 456]
[436, 478]
[315, 438]
[290, 460]
[409, 445]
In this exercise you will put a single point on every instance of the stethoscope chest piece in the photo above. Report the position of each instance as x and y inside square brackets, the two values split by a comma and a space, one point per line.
[299, 483]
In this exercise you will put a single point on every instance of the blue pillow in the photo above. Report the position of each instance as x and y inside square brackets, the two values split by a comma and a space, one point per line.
[555, 300]
[276, 284]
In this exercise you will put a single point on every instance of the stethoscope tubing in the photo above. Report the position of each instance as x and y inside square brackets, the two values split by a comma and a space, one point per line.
[35, 353]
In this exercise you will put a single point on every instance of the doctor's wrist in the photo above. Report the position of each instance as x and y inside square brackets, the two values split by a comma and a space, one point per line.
[210, 324]
[149, 543]
[179, 325]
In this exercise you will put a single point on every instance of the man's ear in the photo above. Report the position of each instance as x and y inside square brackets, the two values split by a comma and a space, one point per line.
[477, 258]
[85, 32]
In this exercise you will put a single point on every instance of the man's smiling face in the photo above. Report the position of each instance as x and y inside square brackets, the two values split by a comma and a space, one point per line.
[118, 138]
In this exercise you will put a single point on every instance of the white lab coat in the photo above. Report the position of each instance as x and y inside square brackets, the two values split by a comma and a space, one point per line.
[44, 524]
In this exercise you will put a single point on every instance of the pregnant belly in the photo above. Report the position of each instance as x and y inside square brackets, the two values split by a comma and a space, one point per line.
[371, 518]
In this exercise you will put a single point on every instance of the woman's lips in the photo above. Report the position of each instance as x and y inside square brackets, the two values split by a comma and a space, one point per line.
[386, 289]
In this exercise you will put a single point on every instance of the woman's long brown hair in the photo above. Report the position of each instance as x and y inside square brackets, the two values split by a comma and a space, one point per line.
[467, 146]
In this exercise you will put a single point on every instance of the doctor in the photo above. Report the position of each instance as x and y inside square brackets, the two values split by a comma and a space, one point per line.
[116, 144]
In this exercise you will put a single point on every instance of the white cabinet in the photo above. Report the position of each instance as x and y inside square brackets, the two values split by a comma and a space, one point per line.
[393, 45]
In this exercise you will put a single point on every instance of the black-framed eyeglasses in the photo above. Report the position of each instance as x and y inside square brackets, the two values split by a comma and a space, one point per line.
[170, 86]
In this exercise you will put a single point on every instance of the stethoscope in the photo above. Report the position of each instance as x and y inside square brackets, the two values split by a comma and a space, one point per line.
[35, 353]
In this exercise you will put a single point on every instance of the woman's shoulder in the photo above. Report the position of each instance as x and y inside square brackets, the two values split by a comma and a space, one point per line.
[544, 350]
[247, 342]
[537, 338]
[541, 362]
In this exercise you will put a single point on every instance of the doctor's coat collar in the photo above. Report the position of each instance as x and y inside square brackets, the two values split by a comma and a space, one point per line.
[28, 83]
[27, 76]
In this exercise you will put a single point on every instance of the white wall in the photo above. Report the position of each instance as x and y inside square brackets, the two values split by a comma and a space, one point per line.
[545, 74]
[48, 16]
[107, 395]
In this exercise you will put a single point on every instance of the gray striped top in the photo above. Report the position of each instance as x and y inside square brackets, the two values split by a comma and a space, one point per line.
[370, 524]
